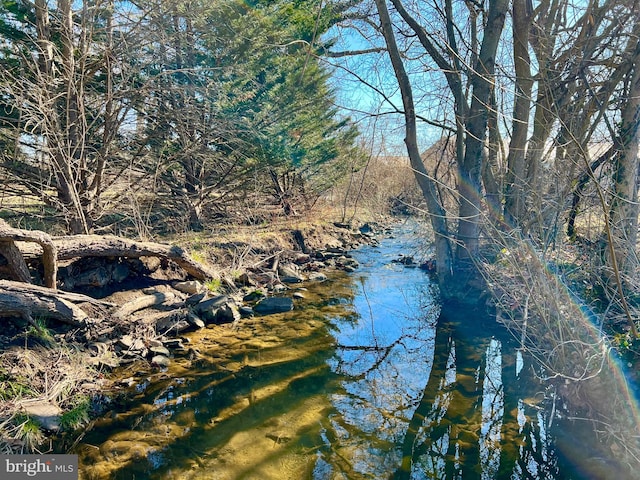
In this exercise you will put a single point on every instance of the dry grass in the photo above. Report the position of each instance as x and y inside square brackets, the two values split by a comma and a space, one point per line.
[384, 185]
[58, 375]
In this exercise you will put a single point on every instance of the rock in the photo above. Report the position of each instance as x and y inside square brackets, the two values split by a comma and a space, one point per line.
[191, 287]
[127, 382]
[290, 273]
[245, 280]
[228, 313]
[430, 265]
[99, 348]
[160, 361]
[172, 325]
[194, 320]
[366, 228]
[298, 295]
[99, 277]
[108, 361]
[45, 413]
[208, 310]
[151, 291]
[151, 263]
[317, 277]
[347, 264]
[327, 255]
[271, 305]
[301, 258]
[173, 343]
[127, 342]
[406, 260]
[154, 343]
[195, 299]
[160, 350]
[120, 272]
[246, 311]
[92, 386]
[343, 225]
[278, 287]
[253, 296]
[315, 266]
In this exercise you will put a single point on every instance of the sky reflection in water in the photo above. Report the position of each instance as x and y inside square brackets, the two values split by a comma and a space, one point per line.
[356, 383]
[436, 411]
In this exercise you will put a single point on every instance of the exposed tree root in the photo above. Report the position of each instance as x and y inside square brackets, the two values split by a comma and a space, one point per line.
[17, 265]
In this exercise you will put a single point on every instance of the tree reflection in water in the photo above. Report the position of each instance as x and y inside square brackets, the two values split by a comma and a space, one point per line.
[473, 418]
[356, 382]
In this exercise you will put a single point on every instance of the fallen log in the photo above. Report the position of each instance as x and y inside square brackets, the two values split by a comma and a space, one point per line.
[79, 246]
[29, 301]
[145, 301]
[8, 286]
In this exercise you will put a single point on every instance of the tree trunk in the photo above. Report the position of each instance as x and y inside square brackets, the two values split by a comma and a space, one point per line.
[624, 208]
[17, 266]
[29, 301]
[142, 302]
[427, 185]
[470, 169]
[78, 246]
[516, 168]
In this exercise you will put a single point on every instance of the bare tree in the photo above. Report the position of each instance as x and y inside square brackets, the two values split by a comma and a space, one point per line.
[624, 205]
[471, 126]
[64, 84]
[582, 56]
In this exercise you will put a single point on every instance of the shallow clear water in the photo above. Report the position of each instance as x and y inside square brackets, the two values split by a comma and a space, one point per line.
[356, 382]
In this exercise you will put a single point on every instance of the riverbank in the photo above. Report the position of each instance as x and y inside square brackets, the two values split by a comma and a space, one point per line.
[557, 306]
[55, 378]
[54, 375]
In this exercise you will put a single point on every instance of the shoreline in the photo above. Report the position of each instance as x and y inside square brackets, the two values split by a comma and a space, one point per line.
[155, 302]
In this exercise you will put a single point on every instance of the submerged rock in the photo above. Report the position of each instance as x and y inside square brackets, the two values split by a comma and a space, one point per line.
[160, 361]
[271, 305]
[317, 277]
[406, 260]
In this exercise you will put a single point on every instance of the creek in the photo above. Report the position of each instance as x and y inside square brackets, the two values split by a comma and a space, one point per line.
[356, 382]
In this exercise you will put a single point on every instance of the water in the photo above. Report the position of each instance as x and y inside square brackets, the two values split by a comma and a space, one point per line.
[357, 382]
